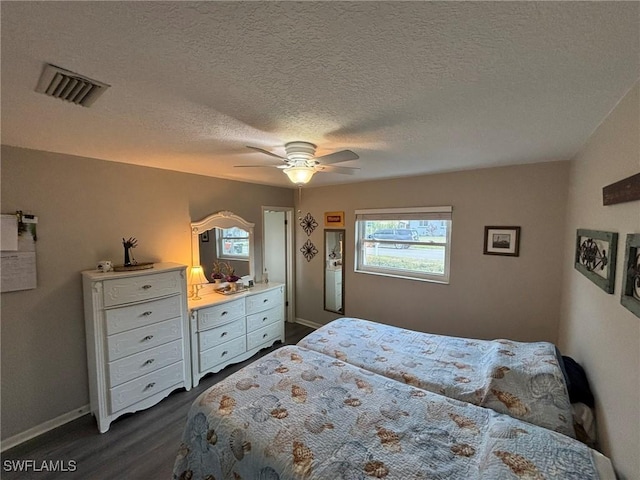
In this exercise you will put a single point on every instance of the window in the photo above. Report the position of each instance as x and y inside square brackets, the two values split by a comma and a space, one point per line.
[233, 243]
[410, 243]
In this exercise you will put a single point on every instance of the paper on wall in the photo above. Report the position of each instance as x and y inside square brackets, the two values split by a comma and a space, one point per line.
[18, 271]
[9, 232]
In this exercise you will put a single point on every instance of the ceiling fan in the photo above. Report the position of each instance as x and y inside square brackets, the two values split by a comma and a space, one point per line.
[300, 163]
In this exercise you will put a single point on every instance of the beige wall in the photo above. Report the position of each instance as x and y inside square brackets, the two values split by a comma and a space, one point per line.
[488, 296]
[85, 207]
[595, 328]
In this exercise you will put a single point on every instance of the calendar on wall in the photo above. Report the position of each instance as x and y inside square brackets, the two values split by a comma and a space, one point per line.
[18, 252]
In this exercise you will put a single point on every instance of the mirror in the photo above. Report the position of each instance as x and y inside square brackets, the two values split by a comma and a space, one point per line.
[223, 237]
[333, 271]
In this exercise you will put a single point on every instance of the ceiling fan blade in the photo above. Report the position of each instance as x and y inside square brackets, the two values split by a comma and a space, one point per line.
[335, 169]
[258, 166]
[337, 157]
[266, 152]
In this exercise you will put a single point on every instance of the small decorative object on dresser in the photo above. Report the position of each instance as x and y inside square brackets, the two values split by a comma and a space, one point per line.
[226, 330]
[596, 257]
[105, 266]
[137, 332]
[631, 276]
[217, 274]
[130, 263]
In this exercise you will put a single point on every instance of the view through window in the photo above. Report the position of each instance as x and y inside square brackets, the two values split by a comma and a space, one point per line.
[233, 243]
[404, 242]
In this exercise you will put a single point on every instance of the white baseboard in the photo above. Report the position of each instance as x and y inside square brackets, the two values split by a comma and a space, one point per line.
[308, 323]
[43, 428]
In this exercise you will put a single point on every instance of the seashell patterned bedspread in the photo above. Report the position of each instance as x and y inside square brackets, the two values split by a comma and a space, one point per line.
[300, 414]
[523, 380]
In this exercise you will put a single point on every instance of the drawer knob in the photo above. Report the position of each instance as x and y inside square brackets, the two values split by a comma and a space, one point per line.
[147, 338]
[265, 319]
[146, 287]
[265, 335]
[146, 314]
[223, 334]
[223, 313]
[148, 362]
[150, 385]
[265, 300]
[224, 353]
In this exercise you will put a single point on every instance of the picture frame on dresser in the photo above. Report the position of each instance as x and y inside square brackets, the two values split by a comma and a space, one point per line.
[630, 296]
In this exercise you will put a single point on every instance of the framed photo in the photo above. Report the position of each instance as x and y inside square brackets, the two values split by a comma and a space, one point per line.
[334, 219]
[596, 257]
[631, 276]
[502, 241]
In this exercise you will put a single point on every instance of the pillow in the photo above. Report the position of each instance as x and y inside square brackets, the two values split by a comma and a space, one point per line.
[577, 383]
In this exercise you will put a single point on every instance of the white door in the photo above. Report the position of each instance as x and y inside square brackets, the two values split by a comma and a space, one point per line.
[277, 252]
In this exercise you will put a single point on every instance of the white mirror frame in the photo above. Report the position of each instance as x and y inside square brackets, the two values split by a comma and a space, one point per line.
[223, 219]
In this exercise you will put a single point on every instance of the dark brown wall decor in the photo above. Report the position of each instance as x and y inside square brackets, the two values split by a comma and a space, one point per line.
[626, 190]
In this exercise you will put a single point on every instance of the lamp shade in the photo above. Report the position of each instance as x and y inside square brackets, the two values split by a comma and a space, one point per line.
[196, 275]
[299, 175]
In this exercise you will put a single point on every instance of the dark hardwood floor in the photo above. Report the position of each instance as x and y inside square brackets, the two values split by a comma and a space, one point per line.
[142, 445]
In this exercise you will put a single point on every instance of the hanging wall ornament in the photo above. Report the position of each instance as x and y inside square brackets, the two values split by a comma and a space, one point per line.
[309, 250]
[308, 224]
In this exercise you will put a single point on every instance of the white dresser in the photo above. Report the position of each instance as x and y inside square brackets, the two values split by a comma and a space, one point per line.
[137, 331]
[230, 329]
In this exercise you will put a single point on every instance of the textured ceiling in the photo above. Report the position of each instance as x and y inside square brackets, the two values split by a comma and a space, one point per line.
[412, 87]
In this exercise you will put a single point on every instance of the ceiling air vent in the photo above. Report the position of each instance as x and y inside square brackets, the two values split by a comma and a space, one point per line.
[65, 85]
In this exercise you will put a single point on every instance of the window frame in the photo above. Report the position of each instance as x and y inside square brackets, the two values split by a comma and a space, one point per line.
[400, 214]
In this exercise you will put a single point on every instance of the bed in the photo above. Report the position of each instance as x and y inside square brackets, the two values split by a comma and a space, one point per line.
[523, 380]
[301, 414]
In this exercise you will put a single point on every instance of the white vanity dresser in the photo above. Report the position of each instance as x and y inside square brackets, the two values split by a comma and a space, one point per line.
[137, 330]
[228, 329]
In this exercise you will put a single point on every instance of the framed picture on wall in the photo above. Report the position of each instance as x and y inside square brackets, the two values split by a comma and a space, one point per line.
[596, 257]
[631, 276]
[333, 219]
[502, 241]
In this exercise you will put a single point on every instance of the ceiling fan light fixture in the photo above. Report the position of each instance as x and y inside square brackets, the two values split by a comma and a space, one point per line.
[299, 174]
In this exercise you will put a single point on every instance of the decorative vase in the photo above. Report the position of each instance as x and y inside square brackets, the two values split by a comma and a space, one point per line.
[127, 260]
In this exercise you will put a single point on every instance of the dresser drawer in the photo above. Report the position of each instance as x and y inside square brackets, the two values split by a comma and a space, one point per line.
[139, 339]
[265, 335]
[127, 318]
[220, 314]
[222, 353]
[216, 336]
[262, 319]
[119, 291]
[142, 387]
[264, 301]
[145, 362]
